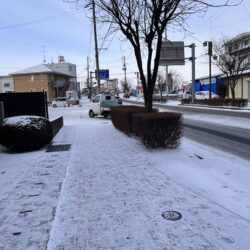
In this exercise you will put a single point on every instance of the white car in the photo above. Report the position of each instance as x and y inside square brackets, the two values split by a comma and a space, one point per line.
[60, 102]
[101, 105]
[202, 95]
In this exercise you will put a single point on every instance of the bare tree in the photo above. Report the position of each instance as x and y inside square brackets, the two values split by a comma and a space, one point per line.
[177, 79]
[125, 86]
[231, 64]
[143, 23]
[161, 83]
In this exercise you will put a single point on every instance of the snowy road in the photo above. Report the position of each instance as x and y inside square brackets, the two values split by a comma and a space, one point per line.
[108, 192]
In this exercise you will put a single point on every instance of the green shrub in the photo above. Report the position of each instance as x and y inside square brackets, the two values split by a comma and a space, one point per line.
[158, 129]
[25, 133]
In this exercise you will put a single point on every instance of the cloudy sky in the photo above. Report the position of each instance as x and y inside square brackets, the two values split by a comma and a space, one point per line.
[31, 29]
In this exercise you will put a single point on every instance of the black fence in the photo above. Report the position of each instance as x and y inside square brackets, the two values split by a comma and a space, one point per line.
[57, 124]
[1, 112]
[31, 103]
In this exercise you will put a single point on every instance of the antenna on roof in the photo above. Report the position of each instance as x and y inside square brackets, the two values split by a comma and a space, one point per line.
[44, 53]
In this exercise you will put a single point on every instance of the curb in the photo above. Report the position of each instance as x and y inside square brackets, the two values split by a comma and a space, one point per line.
[202, 110]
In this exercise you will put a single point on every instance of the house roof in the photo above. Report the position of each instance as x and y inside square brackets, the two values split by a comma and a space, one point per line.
[41, 68]
[245, 72]
[237, 38]
[205, 77]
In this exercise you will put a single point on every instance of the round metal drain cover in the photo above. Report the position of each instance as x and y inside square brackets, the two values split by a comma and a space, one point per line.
[171, 215]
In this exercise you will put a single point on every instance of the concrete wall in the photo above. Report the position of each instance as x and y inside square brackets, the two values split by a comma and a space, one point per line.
[242, 88]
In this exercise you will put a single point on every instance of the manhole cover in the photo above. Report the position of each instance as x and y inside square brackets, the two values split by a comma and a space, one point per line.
[171, 215]
[56, 148]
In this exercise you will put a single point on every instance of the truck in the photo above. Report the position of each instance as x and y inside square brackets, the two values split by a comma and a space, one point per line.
[101, 105]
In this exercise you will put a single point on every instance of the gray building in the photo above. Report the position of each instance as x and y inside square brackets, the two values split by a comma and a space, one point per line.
[66, 68]
[240, 46]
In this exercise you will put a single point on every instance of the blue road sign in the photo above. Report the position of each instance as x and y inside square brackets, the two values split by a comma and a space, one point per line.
[103, 73]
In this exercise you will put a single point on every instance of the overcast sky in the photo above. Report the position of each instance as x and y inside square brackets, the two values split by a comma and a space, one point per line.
[28, 27]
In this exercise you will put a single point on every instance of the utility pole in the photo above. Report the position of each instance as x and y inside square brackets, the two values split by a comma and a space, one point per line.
[192, 58]
[91, 77]
[124, 68]
[210, 52]
[88, 82]
[166, 38]
[96, 49]
[44, 53]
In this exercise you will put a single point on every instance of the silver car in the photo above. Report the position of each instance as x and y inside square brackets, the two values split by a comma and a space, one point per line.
[60, 102]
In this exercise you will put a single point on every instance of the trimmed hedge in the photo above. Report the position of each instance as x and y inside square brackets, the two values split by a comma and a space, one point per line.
[121, 117]
[158, 129]
[25, 133]
[218, 102]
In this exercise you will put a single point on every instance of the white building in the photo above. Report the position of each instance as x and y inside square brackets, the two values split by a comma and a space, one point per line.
[6, 84]
[240, 46]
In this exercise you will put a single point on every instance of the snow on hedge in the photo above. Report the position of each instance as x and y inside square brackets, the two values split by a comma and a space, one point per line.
[23, 121]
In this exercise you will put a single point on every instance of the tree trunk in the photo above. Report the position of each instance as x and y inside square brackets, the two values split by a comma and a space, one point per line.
[148, 103]
[233, 93]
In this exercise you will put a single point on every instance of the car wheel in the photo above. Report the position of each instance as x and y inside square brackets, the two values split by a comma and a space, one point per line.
[54, 106]
[105, 116]
[91, 114]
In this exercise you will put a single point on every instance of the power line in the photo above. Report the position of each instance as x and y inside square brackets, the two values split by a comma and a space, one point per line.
[246, 9]
[36, 20]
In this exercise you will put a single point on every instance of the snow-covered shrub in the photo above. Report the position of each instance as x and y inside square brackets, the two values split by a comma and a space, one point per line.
[25, 133]
[157, 130]
[121, 117]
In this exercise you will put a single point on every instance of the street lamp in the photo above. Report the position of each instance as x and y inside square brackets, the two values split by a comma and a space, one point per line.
[209, 44]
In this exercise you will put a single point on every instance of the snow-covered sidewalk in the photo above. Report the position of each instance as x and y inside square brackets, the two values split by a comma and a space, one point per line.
[109, 192]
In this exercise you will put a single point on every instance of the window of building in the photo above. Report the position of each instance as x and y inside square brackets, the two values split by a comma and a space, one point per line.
[6, 85]
[243, 62]
[247, 42]
[42, 77]
[31, 78]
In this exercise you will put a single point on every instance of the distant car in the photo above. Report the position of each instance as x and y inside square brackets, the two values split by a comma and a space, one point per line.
[202, 95]
[118, 99]
[73, 101]
[60, 102]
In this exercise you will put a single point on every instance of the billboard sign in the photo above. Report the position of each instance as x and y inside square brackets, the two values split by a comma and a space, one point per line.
[103, 73]
[172, 53]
